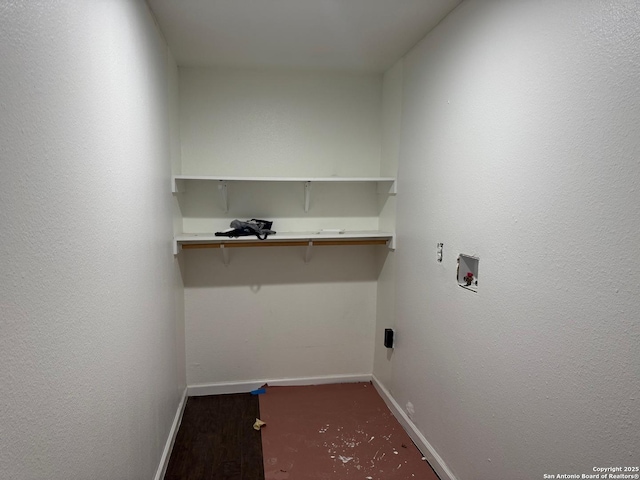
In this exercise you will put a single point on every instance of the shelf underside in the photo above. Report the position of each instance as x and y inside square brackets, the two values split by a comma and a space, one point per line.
[385, 184]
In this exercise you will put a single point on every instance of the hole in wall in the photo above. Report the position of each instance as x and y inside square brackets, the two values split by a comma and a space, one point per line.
[467, 272]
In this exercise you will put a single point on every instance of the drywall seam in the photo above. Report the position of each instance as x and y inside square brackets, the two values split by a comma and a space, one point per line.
[430, 453]
[171, 439]
[222, 388]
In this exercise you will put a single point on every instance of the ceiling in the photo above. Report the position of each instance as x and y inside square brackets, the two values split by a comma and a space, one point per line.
[354, 35]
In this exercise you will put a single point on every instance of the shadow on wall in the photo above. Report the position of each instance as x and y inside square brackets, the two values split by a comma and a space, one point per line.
[263, 199]
[281, 266]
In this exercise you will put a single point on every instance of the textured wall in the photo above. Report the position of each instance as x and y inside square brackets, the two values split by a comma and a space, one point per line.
[385, 298]
[269, 314]
[176, 168]
[89, 383]
[520, 144]
[279, 123]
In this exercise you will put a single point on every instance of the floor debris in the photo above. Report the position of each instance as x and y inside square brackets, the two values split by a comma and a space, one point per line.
[336, 432]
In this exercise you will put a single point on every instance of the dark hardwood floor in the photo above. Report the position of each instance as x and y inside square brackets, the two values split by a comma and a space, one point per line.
[216, 440]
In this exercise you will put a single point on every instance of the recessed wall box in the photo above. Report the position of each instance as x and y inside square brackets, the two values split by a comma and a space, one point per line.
[467, 275]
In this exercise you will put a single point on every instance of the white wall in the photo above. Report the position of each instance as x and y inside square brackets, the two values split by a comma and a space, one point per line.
[176, 168]
[89, 383]
[268, 314]
[520, 144]
[385, 297]
[279, 123]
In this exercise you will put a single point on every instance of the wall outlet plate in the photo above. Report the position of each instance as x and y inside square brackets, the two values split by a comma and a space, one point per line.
[388, 337]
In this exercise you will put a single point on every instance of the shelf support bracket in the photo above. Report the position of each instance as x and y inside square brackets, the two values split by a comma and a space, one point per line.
[222, 186]
[307, 256]
[177, 185]
[391, 244]
[394, 188]
[176, 247]
[307, 195]
[225, 255]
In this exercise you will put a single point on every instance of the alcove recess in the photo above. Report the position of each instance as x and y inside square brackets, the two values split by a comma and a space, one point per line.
[467, 275]
[385, 186]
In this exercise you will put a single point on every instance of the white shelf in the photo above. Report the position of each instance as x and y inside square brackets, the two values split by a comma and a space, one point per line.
[285, 238]
[385, 184]
[174, 178]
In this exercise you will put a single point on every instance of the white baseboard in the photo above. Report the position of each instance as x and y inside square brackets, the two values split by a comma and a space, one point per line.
[418, 438]
[328, 379]
[166, 453]
[222, 388]
[243, 387]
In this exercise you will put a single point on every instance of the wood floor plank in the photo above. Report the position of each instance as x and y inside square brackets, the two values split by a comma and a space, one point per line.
[216, 440]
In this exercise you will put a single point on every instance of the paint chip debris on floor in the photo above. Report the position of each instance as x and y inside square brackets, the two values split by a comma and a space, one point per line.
[335, 431]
